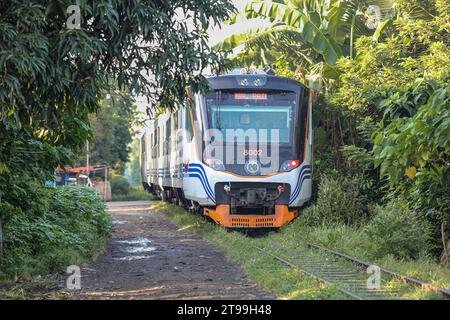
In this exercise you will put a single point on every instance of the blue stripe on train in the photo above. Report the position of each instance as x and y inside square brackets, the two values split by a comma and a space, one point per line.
[194, 167]
[303, 170]
[197, 171]
[305, 173]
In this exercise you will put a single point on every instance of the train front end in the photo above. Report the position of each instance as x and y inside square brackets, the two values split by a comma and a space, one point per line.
[256, 149]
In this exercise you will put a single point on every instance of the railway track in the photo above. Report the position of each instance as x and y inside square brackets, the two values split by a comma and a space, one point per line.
[347, 274]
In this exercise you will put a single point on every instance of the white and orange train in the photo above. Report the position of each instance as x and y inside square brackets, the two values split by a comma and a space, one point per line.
[240, 154]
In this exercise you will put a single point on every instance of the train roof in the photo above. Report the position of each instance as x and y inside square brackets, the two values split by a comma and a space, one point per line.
[258, 80]
[254, 81]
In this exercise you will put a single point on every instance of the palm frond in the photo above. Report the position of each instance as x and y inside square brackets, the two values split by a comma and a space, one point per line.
[290, 16]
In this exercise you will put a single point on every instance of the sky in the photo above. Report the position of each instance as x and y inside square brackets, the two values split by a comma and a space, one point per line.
[218, 34]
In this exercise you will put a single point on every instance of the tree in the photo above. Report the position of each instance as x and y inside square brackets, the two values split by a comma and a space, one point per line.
[112, 131]
[403, 84]
[52, 77]
[1, 240]
[310, 35]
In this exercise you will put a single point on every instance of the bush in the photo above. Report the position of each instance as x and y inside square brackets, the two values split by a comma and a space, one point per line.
[119, 185]
[70, 228]
[340, 201]
[135, 194]
[398, 231]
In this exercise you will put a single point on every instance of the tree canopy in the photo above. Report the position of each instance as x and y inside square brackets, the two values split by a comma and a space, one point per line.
[306, 35]
[113, 127]
[52, 77]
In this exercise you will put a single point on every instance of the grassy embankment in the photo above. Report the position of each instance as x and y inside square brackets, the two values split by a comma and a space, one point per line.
[287, 283]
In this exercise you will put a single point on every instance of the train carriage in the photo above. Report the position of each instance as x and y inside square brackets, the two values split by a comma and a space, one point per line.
[240, 153]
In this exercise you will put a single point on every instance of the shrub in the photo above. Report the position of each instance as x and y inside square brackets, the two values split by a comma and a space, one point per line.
[340, 201]
[119, 185]
[135, 194]
[398, 231]
[69, 226]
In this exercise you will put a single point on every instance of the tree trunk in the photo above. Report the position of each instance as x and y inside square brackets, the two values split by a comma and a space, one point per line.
[1, 241]
[352, 31]
[445, 256]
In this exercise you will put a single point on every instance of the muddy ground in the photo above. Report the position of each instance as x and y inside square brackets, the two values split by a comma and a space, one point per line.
[148, 257]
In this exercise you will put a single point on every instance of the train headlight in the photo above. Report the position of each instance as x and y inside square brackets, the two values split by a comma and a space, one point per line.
[251, 80]
[215, 164]
[244, 82]
[257, 82]
[289, 165]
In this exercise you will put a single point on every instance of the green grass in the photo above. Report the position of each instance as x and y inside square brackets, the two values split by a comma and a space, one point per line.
[135, 194]
[40, 274]
[263, 270]
[353, 241]
[287, 283]
[41, 288]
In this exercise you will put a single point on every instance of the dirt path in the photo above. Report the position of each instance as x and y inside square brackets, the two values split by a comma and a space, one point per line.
[149, 258]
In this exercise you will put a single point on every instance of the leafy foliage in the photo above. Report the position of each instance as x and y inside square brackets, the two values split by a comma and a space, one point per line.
[413, 49]
[61, 226]
[402, 83]
[112, 130]
[341, 200]
[51, 77]
[309, 35]
[136, 193]
[399, 231]
[421, 138]
[119, 185]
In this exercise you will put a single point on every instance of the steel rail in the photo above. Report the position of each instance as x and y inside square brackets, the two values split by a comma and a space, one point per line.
[309, 274]
[392, 273]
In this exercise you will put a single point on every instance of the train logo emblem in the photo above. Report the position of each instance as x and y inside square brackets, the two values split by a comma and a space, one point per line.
[252, 167]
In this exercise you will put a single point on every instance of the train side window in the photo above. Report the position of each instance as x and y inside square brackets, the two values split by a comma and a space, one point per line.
[301, 126]
[143, 144]
[155, 139]
[175, 119]
[188, 122]
[194, 110]
[168, 132]
[158, 139]
[151, 141]
[168, 128]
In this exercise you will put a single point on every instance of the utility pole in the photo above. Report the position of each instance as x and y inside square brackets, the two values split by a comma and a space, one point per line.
[106, 182]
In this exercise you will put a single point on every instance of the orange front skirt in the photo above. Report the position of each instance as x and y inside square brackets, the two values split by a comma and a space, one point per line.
[222, 216]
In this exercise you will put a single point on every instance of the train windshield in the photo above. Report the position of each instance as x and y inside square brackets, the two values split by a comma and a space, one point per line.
[252, 116]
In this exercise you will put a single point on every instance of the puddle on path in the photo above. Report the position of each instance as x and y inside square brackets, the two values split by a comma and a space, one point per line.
[119, 222]
[135, 249]
[131, 258]
[139, 249]
[136, 241]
